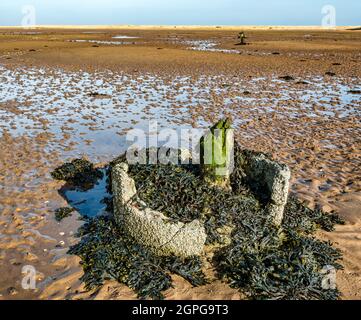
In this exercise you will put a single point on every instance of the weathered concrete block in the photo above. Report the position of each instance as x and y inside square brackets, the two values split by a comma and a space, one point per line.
[149, 227]
[270, 181]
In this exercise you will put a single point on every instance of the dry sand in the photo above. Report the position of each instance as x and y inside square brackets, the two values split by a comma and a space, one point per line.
[46, 116]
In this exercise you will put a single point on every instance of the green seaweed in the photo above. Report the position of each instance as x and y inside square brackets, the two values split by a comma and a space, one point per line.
[300, 218]
[181, 194]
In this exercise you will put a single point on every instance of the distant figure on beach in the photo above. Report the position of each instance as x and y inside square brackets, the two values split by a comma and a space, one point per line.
[242, 37]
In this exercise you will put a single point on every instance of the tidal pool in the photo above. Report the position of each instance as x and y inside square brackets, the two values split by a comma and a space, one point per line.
[90, 202]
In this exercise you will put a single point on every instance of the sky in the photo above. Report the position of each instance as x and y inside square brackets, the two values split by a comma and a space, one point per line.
[178, 12]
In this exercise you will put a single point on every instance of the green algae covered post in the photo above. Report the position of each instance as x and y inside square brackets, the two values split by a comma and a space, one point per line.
[242, 38]
[216, 150]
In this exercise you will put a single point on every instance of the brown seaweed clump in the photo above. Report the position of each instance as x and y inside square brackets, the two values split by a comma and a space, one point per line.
[79, 172]
[108, 253]
[62, 213]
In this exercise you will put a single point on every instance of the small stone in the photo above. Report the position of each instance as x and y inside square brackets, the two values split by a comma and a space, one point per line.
[329, 73]
[287, 78]
[12, 291]
[354, 91]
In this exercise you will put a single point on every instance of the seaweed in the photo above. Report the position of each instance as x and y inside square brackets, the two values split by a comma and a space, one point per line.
[262, 261]
[354, 91]
[301, 218]
[62, 213]
[287, 78]
[79, 172]
[171, 189]
[108, 253]
[266, 262]
[180, 193]
[278, 266]
[259, 259]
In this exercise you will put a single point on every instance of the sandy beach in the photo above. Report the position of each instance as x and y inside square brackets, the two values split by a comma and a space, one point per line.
[293, 92]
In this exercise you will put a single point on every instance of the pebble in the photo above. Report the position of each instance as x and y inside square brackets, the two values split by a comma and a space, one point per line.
[12, 291]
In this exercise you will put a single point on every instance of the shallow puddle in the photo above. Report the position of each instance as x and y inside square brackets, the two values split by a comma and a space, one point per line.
[124, 37]
[117, 43]
[207, 45]
[90, 202]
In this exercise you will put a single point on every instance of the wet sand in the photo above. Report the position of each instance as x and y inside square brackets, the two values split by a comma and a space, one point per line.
[181, 78]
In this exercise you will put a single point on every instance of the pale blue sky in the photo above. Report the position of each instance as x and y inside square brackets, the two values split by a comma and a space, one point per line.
[178, 12]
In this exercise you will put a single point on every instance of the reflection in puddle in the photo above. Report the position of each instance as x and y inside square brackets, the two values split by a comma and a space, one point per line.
[102, 42]
[125, 37]
[207, 45]
[27, 32]
[90, 202]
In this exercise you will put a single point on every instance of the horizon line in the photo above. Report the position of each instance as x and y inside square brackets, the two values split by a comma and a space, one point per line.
[83, 26]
